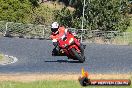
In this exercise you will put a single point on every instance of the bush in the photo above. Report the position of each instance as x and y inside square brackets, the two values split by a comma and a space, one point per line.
[105, 15]
[15, 10]
[64, 17]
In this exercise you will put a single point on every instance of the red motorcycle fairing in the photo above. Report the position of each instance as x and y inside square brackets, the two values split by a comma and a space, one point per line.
[74, 46]
[69, 43]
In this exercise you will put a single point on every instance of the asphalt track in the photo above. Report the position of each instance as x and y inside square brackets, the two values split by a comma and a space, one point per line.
[34, 56]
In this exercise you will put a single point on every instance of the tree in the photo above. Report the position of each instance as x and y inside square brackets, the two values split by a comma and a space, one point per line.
[14, 10]
[105, 15]
[34, 3]
[64, 17]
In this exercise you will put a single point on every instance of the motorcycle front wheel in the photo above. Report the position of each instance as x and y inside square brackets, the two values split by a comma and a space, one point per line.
[78, 56]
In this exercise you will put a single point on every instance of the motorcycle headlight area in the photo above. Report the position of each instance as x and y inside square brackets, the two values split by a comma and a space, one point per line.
[71, 41]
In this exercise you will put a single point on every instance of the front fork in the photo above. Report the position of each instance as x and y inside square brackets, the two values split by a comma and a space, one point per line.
[80, 46]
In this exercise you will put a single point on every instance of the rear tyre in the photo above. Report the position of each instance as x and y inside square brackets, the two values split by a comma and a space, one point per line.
[78, 56]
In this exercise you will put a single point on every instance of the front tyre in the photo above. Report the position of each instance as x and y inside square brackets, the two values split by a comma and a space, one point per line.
[55, 52]
[78, 56]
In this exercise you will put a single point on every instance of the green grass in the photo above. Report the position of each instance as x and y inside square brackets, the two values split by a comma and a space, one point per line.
[51, 84]
[1, 57]
[125, 39]
[129, 29]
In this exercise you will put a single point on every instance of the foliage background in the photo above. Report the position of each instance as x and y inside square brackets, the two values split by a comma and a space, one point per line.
[105, 15]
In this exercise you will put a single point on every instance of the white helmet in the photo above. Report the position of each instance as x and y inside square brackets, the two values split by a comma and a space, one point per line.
[55, 25]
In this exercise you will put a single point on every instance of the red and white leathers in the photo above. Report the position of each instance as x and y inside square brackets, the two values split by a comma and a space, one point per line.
[61, 33]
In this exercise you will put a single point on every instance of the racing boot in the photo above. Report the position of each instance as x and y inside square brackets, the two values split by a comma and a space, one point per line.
[55, 52]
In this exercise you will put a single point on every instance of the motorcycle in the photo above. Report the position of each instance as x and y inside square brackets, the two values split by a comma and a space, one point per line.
[71, 47]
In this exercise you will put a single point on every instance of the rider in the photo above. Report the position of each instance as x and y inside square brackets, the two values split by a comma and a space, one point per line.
[57, 33]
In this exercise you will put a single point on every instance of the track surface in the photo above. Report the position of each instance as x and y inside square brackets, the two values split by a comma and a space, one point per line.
[35, 56]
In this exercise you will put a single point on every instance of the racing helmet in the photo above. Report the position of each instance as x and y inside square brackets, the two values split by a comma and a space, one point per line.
[54, 27]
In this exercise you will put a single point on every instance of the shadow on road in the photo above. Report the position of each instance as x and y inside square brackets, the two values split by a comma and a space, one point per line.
[63, 61]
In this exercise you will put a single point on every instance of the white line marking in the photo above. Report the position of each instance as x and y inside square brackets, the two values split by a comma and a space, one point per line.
[14, 60]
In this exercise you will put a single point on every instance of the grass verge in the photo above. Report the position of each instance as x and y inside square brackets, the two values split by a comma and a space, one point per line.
[54, 80]
[51, 84]
[1, 57]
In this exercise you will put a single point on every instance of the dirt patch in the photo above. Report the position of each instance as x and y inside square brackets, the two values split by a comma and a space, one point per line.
[37, 77]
